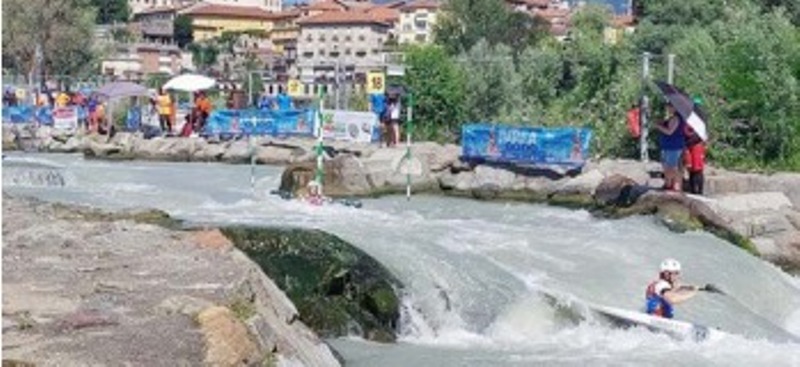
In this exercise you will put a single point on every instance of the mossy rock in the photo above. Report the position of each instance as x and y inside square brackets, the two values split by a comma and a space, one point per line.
[150, 216]
[678, 217]
[338, 289]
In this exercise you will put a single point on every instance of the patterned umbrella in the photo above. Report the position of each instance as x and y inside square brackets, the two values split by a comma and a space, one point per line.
[685, 107]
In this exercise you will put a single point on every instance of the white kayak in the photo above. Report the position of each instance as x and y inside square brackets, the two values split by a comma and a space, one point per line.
[682, 330]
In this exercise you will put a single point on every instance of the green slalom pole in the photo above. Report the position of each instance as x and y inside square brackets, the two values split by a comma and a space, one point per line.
[319, 174]
[409, 125]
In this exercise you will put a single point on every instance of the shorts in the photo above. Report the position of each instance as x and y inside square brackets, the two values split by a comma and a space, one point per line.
[671, 158]
[694, 157]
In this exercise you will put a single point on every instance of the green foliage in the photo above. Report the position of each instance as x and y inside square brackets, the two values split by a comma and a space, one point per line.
[463, 23]
[182, 30]
[437, 84]
[204, 55]
[59, 27]
[748, 74]
[156, 80]
[111, 11]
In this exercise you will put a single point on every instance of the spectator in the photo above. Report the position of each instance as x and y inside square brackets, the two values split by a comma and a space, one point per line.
[695, 154]
[63, 98]
[283, 100]
[392, 121]
[203, 109]
[165, 105]
[672, 145]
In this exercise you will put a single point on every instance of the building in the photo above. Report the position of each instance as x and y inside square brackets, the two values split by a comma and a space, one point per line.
[138, 6]
[156, 24]
[350, 41]
[134, 61]
[211, 20]
[416, 21]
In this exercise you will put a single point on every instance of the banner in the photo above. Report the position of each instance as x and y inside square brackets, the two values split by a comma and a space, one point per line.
[531, 145]
[261, 122]
[376, 82]
[349, 125]
[65, 118]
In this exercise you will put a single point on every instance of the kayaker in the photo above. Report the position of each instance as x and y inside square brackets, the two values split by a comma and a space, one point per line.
[665, 292]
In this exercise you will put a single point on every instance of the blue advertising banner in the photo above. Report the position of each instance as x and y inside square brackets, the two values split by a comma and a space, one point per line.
[532, 145]
[261, 122]
[29, 114]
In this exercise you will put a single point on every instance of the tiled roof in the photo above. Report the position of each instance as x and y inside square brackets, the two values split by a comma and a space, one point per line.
[550, 14]
[325, 5]
[421, 4]
[623, 21]
[234, 11]
[384, 14]
[157, 9]
[342, 17]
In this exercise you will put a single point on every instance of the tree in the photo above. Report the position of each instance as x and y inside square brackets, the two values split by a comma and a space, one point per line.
[182, 30]
[438, 88]
[464, 23]
[58, 28]
[111, 11]
[493, 87]
[203, 55]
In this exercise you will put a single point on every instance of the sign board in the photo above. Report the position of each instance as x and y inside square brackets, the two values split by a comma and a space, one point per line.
[529, 145]
[65, 118]
[294, 88]
[376, 82]
[349, 125]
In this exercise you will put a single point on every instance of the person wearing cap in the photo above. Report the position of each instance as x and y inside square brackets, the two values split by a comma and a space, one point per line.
[665, 292]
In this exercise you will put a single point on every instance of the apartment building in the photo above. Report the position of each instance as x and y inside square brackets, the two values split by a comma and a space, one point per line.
[417, 20]
[352, 41]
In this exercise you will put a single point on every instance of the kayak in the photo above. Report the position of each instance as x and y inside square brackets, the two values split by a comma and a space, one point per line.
[285, 195]
[681, 330]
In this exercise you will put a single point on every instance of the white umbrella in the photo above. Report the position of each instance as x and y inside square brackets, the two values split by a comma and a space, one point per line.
[190, 83]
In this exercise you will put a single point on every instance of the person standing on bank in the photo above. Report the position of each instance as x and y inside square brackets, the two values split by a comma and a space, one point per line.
[695, 155]
[393, 119]
[672, 145]
[164, 104]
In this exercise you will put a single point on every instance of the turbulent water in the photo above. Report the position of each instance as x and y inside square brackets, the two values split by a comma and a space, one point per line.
[474, 271]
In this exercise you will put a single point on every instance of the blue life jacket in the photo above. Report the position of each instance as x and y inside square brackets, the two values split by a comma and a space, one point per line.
[656, 304]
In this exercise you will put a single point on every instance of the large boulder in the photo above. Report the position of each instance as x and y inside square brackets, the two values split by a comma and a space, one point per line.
[238, 152]
[616, 190]
[275, 155]
[338, 289]
[344, 176]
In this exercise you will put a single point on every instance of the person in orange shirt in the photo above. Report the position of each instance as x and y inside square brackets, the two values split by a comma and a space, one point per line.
[203, 107]
[62, 99]
[164, 102]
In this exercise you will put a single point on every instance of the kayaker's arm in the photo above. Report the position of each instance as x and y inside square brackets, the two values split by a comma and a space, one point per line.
[680, 294]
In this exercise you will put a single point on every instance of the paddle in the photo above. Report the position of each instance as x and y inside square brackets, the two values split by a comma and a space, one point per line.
[710, 288]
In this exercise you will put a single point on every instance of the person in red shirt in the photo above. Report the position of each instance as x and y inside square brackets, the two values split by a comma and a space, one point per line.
[694, 157]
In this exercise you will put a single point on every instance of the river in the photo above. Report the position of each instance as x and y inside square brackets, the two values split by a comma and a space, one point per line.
[473, 270]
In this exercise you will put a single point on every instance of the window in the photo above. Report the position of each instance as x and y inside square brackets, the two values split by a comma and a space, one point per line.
[374, 51]
[347, 52]
[308, 54]
[361, 53]
[361, 37]
[347, 38]
[322, 52]
[335, 38]
[309, 38]
[334, 54]
[322, 38]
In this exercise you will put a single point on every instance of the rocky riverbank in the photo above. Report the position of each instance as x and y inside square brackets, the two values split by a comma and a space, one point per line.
[83, 287]
[760, 213]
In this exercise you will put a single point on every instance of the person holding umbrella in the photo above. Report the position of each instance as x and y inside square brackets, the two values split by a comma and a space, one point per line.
[695, 155]
[672, 145]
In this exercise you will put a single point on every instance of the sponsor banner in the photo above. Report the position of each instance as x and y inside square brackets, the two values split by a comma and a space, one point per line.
[349, 125]
[65, 118]
[261, 122]
[527, 145]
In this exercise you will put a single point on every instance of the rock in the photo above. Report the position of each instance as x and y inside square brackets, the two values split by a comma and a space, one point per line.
[487, 191]
[616, 190]
[209, 153]
[150, 148]
[237, 152]
[86, 318]
[101, 150]
[227, 341]
[774, 201]
[337, 288]
[794, 218]
[344, 176]
[9, 138]
[385, 171]
[764, 223]
[583, 184]
[183, 149]
[210, 239]
[73, 144]
[501, 178]
[436, 156]
[184, 305]
[766, 247]
[274, 155]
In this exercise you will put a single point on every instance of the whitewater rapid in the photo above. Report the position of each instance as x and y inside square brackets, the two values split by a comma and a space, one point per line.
[473, 271]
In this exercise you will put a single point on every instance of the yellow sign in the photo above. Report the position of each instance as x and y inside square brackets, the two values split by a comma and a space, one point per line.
[376, 82]
[294, 88]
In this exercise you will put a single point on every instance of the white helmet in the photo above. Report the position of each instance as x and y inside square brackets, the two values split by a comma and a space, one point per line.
[670, 265]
